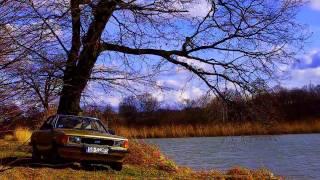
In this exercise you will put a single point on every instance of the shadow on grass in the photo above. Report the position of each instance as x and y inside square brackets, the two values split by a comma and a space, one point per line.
[7, 163]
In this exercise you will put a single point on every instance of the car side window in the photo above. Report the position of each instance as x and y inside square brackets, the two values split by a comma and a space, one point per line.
[48, 124]
[98, 125]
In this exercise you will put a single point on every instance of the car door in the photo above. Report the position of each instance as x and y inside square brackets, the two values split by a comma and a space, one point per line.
[43, 137]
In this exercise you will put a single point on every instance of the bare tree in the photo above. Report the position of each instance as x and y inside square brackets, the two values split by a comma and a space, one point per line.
[148, 103]
[26, 77]
[6, 51]
[233, 41]
[128, 108]
[38, 85]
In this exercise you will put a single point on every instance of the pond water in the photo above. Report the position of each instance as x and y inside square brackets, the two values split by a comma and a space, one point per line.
[292, 156]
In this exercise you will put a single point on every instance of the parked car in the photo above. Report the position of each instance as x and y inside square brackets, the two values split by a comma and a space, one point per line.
[78, 139]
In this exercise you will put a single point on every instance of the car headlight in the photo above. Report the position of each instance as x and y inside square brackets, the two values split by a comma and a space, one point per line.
[75, 139]
[123, 144]
[118, 143]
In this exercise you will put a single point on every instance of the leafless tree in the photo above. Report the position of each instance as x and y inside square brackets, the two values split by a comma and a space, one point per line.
[6, 50]
[233, 41]
[26, 78]
[148, 103]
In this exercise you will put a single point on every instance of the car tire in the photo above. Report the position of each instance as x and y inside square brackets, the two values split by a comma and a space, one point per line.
[117, 166]
[54, 157]
[36, 156]
[86, 165]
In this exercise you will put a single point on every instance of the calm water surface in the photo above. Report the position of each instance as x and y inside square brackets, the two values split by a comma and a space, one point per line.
[293, 156]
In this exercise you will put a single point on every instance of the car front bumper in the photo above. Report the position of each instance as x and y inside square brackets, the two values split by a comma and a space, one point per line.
[78, 153]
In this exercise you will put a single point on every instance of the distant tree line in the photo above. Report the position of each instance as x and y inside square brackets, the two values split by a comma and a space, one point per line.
[268, 106]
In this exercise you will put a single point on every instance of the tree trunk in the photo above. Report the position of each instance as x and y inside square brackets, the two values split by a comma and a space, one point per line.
[76, 75]
[69, 101]
[73, 87]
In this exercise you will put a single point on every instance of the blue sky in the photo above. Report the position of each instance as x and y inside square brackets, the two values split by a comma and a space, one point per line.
[298, 74]
[307, 70]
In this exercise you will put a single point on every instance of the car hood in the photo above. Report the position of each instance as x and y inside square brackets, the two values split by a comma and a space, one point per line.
[89, 134]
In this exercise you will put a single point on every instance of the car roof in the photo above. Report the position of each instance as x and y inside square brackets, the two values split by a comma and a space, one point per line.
[87, 117]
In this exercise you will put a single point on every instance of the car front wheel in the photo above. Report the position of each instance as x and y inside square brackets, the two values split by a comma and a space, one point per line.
[116, 166]
[54, 157]
[36, 157]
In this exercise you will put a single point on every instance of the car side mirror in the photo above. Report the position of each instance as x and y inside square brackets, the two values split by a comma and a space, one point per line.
[111, 131]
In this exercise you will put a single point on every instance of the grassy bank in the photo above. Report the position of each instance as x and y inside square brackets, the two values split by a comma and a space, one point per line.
[226, 129]
[144, 161]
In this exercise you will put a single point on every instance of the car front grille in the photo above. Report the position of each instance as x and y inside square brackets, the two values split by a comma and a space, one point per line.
[97, 141]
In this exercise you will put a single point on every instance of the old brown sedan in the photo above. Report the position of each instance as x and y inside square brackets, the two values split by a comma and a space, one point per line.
[80, 139]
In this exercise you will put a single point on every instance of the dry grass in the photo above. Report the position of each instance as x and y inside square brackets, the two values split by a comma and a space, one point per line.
[22, 135]
[250, 174]
[146, 155]
[227, 129]
[8, 137]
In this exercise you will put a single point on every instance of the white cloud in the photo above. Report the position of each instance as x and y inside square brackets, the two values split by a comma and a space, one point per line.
[314, 4]
[284, 67]
[301, 77]
[196, 92]
[102, 98]
[199, 8]
[308, 58]
[159, 95]
[195, 63]
[113, 101]
[173, 83]
[191, 93]
[181, 96]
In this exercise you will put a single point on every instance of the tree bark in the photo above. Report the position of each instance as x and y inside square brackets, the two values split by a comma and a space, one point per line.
[77, 74]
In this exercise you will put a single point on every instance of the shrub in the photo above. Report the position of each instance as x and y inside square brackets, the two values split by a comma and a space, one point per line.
[146, 155]
[22, 135]
[8, 137]
[241, 173]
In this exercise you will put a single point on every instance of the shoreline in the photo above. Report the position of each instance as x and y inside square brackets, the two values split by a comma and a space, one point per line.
[230, 136]
[220, 130]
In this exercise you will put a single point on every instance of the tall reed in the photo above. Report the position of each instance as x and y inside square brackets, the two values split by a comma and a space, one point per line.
[213, 129]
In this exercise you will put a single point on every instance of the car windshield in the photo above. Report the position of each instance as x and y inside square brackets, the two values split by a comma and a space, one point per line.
[80, 123]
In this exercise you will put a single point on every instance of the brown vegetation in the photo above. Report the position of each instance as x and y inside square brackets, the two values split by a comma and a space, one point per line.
[226, 129]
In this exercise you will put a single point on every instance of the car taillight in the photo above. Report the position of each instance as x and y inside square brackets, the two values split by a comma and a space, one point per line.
[62, 139]
[125, 144]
